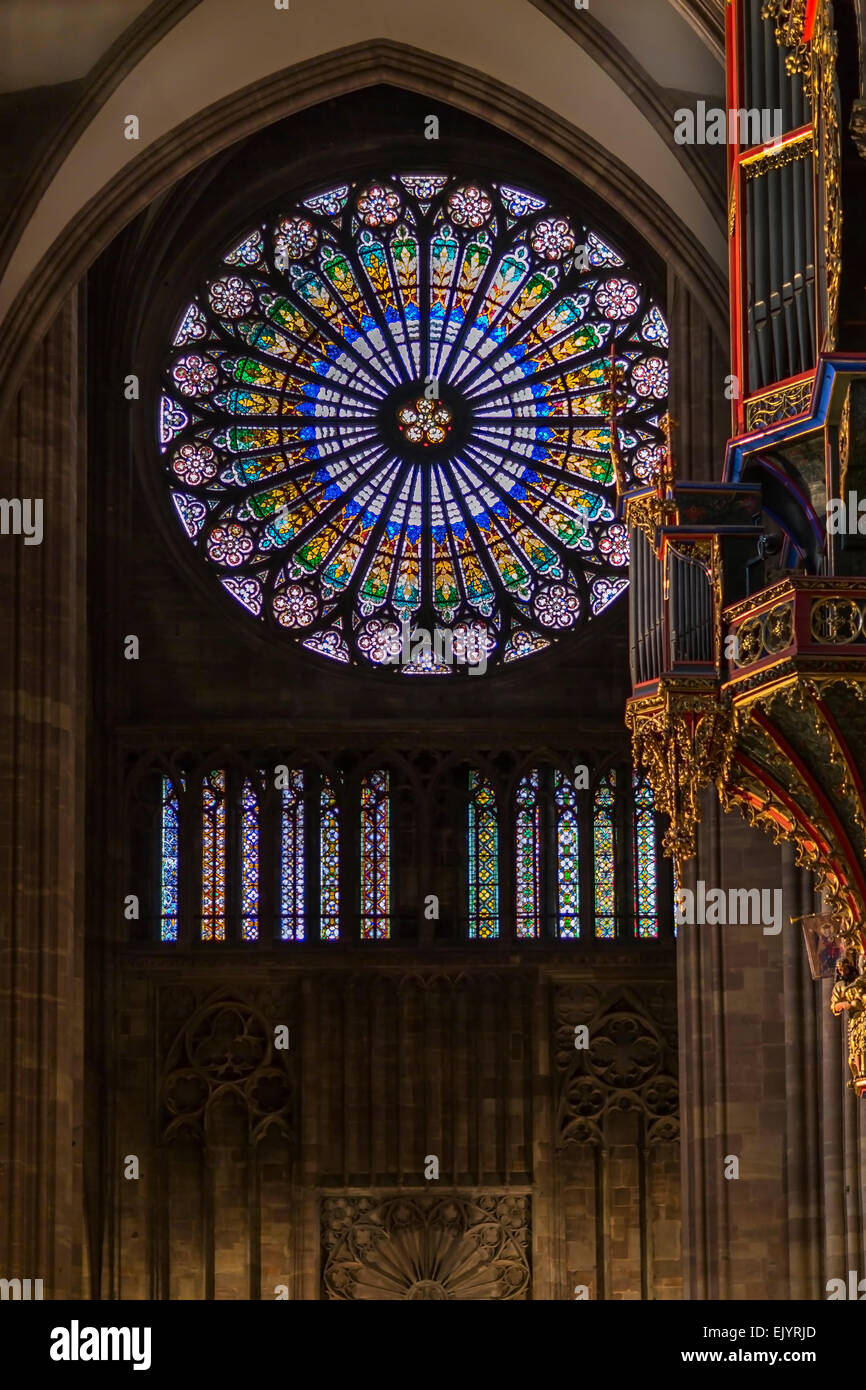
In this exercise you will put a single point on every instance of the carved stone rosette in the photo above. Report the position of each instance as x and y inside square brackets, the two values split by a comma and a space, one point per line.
[442, 1248]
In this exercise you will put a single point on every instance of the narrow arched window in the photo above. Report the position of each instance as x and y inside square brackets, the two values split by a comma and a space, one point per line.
[483, 859]
[527, 850]
[213, 857]
[645, 861]
[249, 862]
[292, 895]
[375, 858]
[604, 856]
[567, 858]
[169, 861]
[329, 863]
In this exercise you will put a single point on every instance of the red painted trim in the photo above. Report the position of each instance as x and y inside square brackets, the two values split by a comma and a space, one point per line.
[809, 20]
[732, 92]
[778, 385]
[827, 807]
[798, 818]
[795, 133]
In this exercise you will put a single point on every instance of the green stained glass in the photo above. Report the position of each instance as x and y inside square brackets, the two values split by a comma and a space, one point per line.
[306, 463]
[645, 862]
[527, 886]
[483, 859]
[567, 858]
[604, 856]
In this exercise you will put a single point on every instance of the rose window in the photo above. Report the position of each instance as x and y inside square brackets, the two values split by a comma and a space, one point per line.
[389, 404]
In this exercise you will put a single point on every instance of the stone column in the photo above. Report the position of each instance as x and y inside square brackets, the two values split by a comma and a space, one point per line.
[763, 1078]
[42, 680]
[843, 1156]
[735, 1039]
[802, 999]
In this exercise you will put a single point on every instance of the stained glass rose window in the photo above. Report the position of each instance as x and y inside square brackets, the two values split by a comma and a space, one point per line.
[386, 410]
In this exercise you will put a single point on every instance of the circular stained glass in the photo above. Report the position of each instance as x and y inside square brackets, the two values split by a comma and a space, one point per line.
[386, 426]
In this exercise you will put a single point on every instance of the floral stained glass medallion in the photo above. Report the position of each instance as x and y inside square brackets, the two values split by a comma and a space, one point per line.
[389, 405]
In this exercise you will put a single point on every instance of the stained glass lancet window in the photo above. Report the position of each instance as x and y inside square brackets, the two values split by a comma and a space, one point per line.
[483, 859]
[292, 857]
[528, 849]
[329, 863]
[213, 857]
[169, 862]
[249, 862]
[375, 858]
[567, 858]
[645, 861]
[604, 855]
[335, 497]
[563, 839]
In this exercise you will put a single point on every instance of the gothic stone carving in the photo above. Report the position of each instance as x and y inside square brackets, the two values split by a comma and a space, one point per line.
[224, 1047]
[428, 1248]
[629, 1063]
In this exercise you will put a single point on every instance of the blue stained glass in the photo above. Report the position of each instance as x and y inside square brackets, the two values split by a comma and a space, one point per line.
[292, 887]
[527, 835]
[318, 334]
[567, 858]
[329, 864]
[170, 860]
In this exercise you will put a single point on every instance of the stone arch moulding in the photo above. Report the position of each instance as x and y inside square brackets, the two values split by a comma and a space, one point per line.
[335, 74]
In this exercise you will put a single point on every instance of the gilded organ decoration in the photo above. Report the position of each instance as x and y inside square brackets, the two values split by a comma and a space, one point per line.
[816, 59]
[783, 404]
[849, 998]
[681, 735]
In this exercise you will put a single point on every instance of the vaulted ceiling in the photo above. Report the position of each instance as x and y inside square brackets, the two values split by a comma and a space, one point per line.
[596, 89]
[45, 42]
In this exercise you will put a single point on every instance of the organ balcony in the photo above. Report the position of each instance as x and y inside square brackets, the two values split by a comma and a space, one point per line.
[748, 653]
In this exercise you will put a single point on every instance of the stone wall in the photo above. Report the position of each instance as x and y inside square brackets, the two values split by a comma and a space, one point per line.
[261, 1169]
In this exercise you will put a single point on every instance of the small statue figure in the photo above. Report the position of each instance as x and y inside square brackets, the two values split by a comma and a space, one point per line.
[849, 997]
